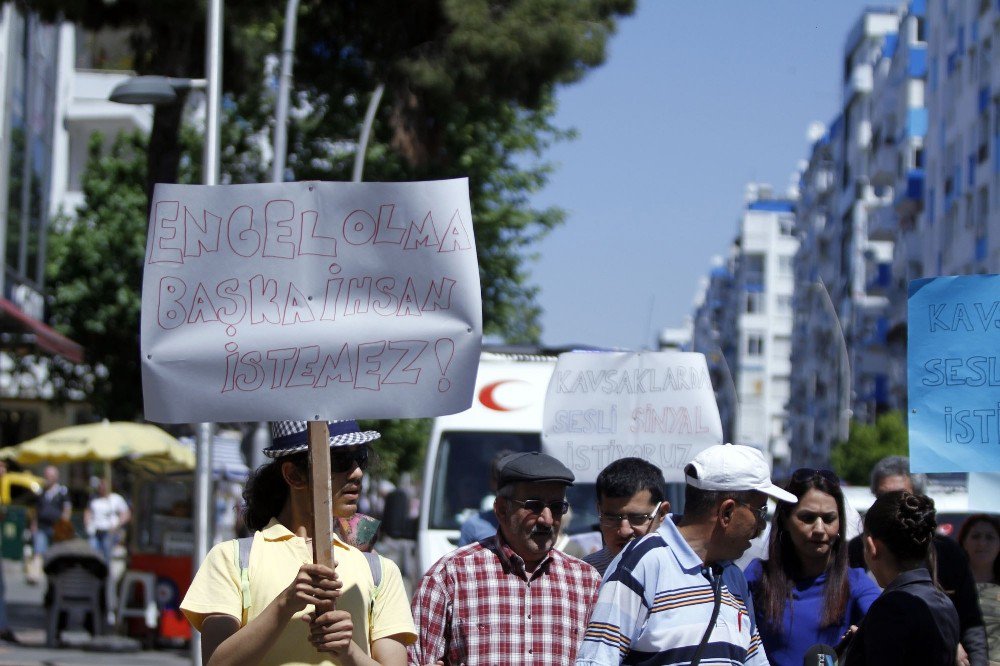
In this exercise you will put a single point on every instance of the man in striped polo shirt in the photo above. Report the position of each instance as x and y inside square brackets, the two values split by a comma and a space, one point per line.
[674, 596]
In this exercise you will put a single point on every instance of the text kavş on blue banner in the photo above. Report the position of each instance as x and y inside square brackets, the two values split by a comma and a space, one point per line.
[953, 373]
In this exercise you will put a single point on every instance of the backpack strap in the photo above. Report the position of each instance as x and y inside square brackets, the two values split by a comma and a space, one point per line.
[375, 564]
[241, 548]
[241, 555]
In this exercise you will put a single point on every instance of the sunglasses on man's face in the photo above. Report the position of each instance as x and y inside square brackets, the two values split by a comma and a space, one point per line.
[536, 506]
[634, 519]
[346, 461]
[805, 474]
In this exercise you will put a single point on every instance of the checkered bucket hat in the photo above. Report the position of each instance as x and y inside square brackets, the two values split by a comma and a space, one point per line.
[288, 437]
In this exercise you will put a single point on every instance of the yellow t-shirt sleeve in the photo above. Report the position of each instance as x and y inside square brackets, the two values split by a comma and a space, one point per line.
[391, 608]
[215, 588]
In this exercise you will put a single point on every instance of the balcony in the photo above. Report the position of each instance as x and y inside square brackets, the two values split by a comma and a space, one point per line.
[883, 167]
[883, 224]
[860, 82]
[910, 196]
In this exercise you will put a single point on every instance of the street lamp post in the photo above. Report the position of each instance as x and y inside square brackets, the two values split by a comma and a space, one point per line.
[845, 365]
[163, 90]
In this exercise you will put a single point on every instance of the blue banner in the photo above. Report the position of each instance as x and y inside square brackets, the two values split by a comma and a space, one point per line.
[953, 374]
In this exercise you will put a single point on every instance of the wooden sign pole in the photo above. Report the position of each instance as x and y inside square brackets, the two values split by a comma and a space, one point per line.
[322, 493]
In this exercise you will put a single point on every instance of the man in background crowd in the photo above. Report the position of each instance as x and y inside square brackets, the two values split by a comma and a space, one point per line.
[105, 519]
[463, 605]
[5, 633]
[674, 596]
[953, 572]
[483, 524]
[631, 494]
[51, 506]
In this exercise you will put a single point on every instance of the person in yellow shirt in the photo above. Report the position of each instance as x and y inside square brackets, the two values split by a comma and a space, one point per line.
[260, 608]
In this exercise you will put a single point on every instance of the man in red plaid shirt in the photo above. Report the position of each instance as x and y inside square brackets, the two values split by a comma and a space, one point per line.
[511, 598]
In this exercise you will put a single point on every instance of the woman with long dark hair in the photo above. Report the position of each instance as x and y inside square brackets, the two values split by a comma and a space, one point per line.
[912, 622]
[980, 538]
[804, 593]
[255, 602]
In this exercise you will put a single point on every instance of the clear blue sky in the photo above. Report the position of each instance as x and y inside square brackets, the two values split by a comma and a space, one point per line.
[696, 99]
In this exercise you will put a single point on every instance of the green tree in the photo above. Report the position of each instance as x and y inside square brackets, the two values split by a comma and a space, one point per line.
[95, 269]
[854, 459]
[470, 86]
[403, 445]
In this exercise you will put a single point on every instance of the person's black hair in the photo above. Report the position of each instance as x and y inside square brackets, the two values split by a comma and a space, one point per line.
[699, 503]
[905, 523]
[627, 476]
[266, 491]
[784, 565]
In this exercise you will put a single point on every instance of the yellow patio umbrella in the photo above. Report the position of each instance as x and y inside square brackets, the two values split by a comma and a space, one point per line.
[140, 443]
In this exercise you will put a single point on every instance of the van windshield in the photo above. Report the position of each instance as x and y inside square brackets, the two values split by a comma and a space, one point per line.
[461, 483]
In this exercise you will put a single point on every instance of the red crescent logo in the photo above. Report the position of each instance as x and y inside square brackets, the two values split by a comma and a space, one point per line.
[487, 399]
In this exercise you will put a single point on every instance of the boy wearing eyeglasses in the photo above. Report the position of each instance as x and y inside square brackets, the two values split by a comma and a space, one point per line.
[511, 598]
[631, 495]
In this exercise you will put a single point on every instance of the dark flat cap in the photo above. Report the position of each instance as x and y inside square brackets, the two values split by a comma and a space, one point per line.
[533, 467]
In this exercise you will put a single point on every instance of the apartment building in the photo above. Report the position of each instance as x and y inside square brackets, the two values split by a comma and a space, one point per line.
[840, 354]
[743, 325]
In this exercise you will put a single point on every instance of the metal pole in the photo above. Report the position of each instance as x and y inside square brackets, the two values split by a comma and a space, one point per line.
[261, 440]
[210, 174]
[284, 84]
[213, 64]
[845, 366]
[366, 130]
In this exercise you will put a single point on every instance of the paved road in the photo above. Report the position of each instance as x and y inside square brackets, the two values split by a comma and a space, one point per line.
[27, 619]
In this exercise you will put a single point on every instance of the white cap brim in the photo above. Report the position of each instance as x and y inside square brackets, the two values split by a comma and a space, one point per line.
[778, 494]
[769, 489]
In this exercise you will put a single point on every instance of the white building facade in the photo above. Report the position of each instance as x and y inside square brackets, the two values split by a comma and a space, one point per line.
[743, 325]
[54, 84]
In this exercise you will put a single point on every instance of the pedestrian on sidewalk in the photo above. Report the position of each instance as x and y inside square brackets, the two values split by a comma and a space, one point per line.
[105, 519]
[51, 507]
[265, 613]
[5, 633]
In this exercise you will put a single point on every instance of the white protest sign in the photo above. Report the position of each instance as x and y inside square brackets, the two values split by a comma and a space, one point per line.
[310, 301]
[603, 406]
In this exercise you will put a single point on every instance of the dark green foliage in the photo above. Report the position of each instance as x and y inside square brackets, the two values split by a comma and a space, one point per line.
[95, 273]
[402, 447]
[867, 444]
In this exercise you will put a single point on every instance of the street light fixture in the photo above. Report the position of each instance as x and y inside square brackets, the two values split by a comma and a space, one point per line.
[155, 90]
[846, 375]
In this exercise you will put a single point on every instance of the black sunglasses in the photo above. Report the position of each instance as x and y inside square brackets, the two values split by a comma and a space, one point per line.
[536, 506]
[634, 519]
[760, 512]
[806, 473]
[346, 461]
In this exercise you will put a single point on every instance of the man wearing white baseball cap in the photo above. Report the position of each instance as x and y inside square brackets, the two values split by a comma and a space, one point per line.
[674, 596]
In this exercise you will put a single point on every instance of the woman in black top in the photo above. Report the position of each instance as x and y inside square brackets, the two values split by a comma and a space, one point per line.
[912, 622]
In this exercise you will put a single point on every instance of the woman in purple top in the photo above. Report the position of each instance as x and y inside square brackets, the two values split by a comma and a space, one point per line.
[805, 593]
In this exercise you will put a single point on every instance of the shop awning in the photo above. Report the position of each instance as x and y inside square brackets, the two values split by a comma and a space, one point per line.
[12, 319]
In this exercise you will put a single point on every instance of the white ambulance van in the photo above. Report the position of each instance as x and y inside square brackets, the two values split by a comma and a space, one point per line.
[506, 413]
